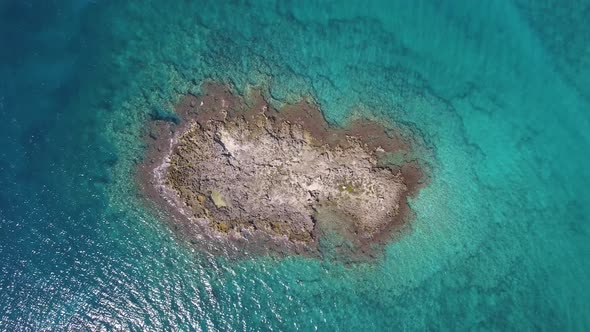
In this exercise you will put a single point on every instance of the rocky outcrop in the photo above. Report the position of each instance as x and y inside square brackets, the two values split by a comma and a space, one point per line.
[239, 173]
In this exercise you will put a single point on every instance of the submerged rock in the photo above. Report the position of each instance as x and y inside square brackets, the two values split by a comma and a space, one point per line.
[279, 181]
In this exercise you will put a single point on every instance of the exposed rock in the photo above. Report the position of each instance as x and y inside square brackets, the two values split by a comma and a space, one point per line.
[280, 179]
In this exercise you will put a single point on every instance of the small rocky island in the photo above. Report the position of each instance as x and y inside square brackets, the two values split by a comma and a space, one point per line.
[237, 176]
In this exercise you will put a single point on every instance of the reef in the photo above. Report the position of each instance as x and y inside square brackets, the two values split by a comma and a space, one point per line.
[235, 175]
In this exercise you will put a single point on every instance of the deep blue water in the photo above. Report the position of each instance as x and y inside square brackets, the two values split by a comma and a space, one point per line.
[500, 92]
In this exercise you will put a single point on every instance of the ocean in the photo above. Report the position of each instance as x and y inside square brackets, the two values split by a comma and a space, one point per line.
[498, 91]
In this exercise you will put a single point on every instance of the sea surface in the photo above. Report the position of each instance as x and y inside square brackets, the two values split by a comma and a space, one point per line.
[498, 90]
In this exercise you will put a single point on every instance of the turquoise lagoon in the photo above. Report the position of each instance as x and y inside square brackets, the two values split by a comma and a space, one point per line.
[499, 91]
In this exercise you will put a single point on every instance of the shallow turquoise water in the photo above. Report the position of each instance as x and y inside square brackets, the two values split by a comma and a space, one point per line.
[499, 92]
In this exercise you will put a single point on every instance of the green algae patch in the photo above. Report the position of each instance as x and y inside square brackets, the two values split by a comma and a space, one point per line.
[217, 199]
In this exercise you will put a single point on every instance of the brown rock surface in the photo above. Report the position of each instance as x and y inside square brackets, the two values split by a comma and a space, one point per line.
[237, 175]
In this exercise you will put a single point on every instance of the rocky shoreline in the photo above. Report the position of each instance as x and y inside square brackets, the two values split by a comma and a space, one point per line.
[237, 176]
